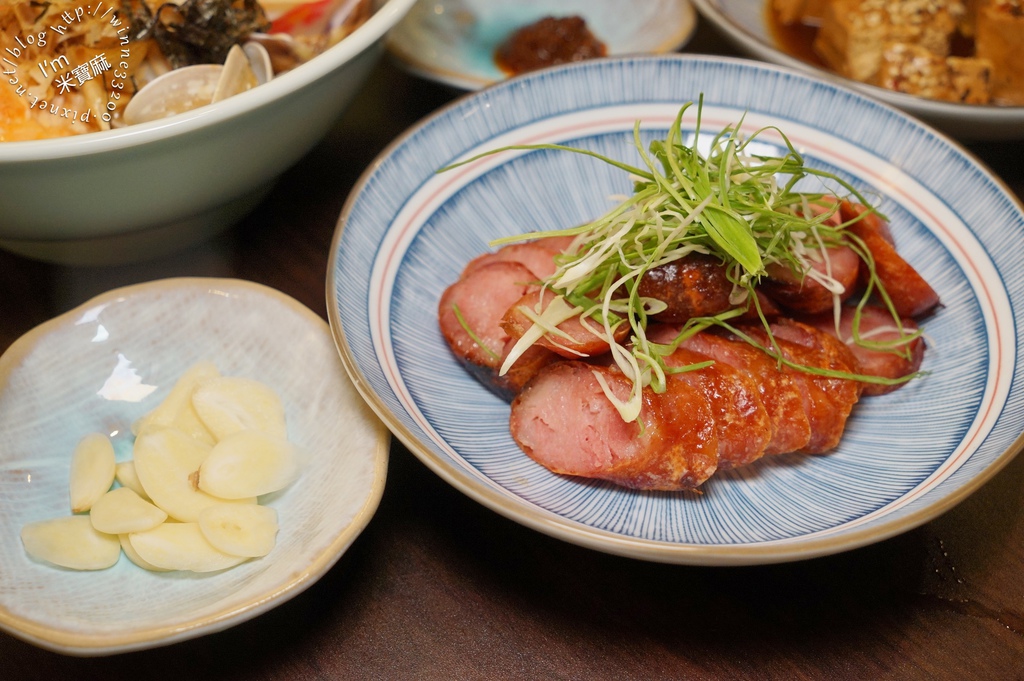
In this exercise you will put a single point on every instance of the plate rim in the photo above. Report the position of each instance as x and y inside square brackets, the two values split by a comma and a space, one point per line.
[56, 639]
[550, 523]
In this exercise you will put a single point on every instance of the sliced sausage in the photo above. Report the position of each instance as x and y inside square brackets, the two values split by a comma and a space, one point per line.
[876, 324]
[693, 286]
[910, 294]
[805, 295]
[482, 298]
[563, 420]
[827, 400]
[779, 392]
[537, 255]
[741, 419]
[580, 340]
[525, 367]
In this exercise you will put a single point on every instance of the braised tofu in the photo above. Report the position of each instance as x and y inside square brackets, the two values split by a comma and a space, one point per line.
[916, 71]
[999, 37]
[854, 33]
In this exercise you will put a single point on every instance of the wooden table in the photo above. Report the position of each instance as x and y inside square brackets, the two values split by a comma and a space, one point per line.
[439, 587]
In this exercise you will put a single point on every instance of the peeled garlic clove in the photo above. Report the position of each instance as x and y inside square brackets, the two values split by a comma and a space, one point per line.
[180, 546]
[166, 461]
[71, 542]
[124, 473]
[176, 409]
[248, 464]
[188, 422]
[133, 555]
[229, 404]
[92, 471]
[240, 530]
[121, 511]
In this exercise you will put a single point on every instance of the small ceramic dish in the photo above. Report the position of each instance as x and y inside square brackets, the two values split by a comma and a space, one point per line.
[454, 41]
[407, 231]
[744, 23]
[101, 366]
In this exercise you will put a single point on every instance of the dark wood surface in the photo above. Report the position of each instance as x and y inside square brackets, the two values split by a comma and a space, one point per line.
[439, 587]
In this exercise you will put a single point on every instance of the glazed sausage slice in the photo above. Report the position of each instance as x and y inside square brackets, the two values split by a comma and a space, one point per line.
[563, 420]
[579, 339]
[911, 295]
[693, 286]
[805, 295]
[482, 297]
[741, 419]
[538, 256]
[876, 324]
[779, 392]
[827, 400]
[525, 367]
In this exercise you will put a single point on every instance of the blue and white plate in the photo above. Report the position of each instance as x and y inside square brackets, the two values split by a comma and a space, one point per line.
[406, 232]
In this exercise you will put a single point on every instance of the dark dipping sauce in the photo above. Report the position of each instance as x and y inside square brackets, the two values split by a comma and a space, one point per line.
[550, 41]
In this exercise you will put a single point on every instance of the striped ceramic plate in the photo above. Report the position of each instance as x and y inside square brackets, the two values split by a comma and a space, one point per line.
[406, 232]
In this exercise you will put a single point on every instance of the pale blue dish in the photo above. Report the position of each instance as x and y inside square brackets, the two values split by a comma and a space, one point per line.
[100, 367]
[454, 41]
[406, 232]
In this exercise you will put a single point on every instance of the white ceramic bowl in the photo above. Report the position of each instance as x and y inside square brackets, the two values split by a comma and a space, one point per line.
[454, 41]
[153, 188]
[743, 22]
[407, 231]
[136, 342]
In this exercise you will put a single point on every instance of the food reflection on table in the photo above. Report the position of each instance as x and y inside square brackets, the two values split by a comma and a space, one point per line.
[72, 67]
[947, 50]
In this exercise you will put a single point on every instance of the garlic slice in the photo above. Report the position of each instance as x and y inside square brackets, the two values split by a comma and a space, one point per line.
[71, 542]
[180, 546]
[92, 471]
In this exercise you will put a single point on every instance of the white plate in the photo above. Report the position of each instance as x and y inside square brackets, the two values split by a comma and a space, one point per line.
[102, 365]
[406, 232]
[454, 41]
[744, 23]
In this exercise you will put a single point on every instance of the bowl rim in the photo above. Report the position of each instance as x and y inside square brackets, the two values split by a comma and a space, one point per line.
[603, 540]
[85, 645]
[302, 76]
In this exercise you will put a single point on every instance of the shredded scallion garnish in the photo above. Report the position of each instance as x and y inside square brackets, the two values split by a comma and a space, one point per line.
[732, 203]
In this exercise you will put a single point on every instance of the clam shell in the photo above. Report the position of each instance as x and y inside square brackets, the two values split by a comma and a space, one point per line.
[191, 87]
[174, 92]
[237, 75]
